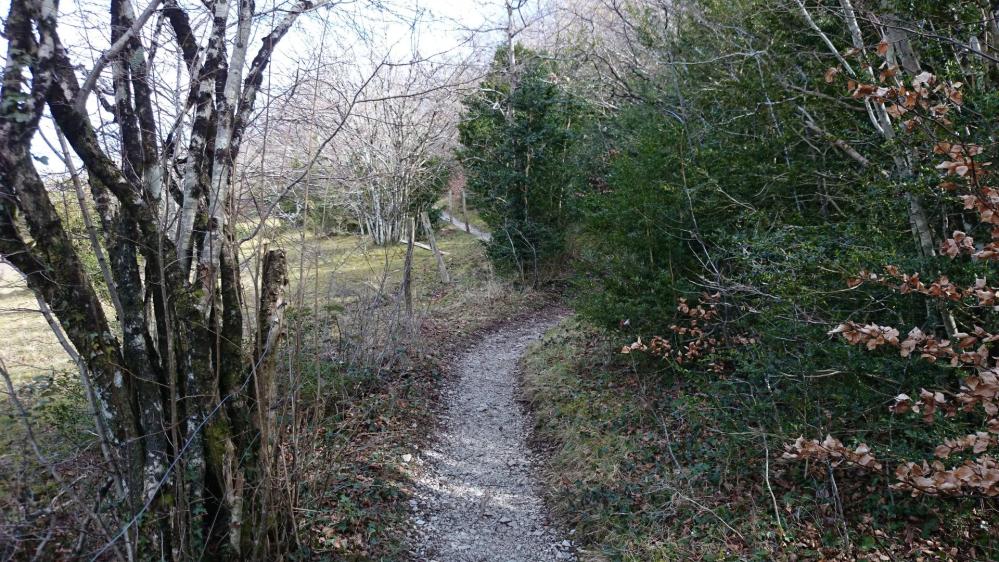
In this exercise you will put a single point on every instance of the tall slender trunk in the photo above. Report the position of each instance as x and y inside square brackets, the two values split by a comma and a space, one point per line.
[407, 270]
[918, 219]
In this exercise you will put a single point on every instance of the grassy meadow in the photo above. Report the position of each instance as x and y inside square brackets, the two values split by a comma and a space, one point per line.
[339, 267]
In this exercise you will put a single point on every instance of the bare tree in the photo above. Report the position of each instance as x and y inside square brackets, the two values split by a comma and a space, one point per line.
[183, 400]
[396, 153]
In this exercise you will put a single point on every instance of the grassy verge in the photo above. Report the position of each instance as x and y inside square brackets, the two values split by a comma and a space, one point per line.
[646, 464]
[607, 472]
[475, 220]
[472, 216]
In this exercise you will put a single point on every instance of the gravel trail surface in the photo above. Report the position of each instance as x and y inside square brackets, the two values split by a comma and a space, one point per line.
[476, 495]
[470, 228]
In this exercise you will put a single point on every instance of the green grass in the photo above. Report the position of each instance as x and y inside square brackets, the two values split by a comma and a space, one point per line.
[475, 220]
[344, 264]
[341, 267]
[29, 348]
[608, 473]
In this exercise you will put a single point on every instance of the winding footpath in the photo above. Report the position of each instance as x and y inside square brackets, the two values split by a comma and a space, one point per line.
[476, 495]
[469, 228]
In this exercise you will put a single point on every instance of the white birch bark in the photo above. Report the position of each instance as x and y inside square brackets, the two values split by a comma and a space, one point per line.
[222, 163]
[199, 141]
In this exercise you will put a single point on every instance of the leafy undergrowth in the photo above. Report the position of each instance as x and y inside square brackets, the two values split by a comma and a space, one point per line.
[645, 465]
[43, 496]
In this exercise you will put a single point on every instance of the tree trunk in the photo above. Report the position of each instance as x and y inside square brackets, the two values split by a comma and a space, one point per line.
[429, 229]
[186, 410]
[407, 271]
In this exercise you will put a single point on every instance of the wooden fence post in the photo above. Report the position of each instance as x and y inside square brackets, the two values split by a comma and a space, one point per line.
[464, 212]
[429, 229]
[407, 272]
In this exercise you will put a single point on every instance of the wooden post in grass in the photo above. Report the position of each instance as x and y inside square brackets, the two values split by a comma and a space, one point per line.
[429, 229]
[407, 271]
[464, 211]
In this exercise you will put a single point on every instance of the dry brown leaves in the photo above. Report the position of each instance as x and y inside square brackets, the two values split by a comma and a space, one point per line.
[832, 450]
[980, 475]
[694, 336]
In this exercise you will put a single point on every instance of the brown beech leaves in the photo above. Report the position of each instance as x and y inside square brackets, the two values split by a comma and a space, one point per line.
[979, 391]
[980, 475]
[832, 450]
[930, 100]
[695, 337]
[926, 99]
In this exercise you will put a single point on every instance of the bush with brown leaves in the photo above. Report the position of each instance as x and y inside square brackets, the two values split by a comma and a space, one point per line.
[968, 350]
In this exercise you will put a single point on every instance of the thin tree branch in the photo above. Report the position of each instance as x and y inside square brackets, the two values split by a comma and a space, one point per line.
[80, 103]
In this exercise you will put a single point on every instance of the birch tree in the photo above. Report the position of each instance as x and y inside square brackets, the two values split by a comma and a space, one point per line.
[396, 151]
[181, 394]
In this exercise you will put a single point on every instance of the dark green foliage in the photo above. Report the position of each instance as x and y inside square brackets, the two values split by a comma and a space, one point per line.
[515, 155]
[634, 245]
[723, 174]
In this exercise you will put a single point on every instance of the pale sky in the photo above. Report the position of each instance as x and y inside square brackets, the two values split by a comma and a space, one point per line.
[356, 30]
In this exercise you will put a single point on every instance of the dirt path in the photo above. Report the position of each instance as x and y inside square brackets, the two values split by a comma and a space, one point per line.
[470, 228]
[476, 495]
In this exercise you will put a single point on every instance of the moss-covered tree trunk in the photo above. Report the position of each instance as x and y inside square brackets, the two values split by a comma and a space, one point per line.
[180, 387]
